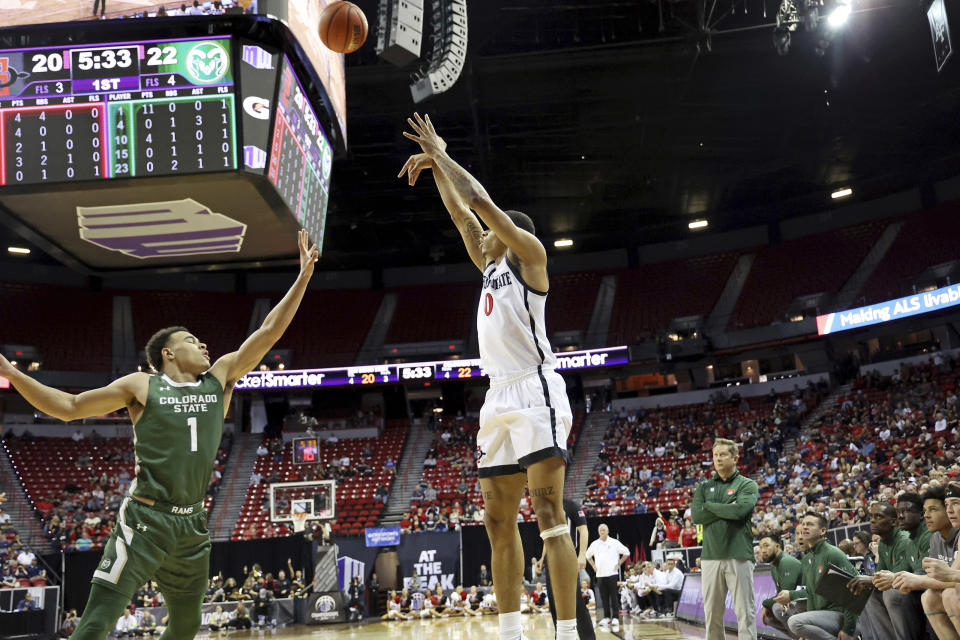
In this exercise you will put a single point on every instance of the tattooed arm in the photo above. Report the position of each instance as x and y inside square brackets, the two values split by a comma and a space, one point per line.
[464, 219]
[472, 194]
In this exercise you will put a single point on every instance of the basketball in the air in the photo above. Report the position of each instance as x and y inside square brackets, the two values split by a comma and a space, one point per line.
[343, 27]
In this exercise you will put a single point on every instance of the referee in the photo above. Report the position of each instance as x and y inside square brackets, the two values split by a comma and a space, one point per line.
[578, 531]
[606, 554]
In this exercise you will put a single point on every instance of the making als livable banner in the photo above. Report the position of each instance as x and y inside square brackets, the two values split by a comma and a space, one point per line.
[895, 309]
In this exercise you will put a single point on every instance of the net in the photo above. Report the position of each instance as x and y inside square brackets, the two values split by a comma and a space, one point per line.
[299, 522]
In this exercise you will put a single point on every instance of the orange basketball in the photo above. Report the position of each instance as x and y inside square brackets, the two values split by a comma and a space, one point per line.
[343, 27]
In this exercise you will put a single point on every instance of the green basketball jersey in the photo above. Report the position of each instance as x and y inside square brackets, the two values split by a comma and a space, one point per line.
[176, 439]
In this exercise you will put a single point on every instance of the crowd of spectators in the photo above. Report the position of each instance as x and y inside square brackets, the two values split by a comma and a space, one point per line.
[650, 589]
[418, 602]
[80, 513]
[255, 593]
[194, 8]
[19, 566]
[448, 495]
[654, 458]
[890, 435]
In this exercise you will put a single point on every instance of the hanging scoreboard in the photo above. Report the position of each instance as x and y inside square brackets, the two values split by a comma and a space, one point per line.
[164, 142]
[125, 109]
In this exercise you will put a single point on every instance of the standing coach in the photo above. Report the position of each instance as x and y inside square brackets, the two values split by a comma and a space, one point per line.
[723, 506]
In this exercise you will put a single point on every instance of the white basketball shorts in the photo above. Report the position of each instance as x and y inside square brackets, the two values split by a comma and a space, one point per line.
[525, 419]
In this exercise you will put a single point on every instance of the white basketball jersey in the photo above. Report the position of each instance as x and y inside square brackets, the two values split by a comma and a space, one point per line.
[510, 323]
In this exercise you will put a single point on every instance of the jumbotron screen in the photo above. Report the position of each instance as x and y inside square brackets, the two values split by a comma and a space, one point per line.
[121, 109]
[301, 157]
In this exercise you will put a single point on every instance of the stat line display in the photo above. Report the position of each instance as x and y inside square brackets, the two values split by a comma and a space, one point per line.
[300, 156]
[126, 109]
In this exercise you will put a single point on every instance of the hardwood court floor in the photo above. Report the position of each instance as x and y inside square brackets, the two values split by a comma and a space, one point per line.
[535, 627]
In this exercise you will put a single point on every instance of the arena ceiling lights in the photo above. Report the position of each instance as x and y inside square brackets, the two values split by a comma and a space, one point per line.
[846, 192]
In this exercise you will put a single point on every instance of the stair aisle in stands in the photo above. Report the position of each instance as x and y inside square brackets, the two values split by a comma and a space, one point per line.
[233, 489]
[408, 474]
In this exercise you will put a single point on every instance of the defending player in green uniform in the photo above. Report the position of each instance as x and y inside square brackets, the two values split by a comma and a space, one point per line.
[177, 413]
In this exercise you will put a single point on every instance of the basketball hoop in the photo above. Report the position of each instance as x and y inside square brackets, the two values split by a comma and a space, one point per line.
[299, 522]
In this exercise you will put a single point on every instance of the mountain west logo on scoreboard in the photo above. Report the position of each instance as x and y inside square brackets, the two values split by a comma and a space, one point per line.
[160, 229]
[207, 62]
[257, 57]
[254, 157]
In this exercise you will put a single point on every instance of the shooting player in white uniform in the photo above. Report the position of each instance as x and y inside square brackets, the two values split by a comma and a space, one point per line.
[526, 416]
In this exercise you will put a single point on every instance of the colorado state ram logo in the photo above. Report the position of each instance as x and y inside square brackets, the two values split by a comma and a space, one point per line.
[207, 63]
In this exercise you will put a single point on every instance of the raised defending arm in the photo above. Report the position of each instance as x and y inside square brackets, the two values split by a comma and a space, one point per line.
[233, 366]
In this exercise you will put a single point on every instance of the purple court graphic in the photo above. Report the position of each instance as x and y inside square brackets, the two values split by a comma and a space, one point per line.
[160, 229]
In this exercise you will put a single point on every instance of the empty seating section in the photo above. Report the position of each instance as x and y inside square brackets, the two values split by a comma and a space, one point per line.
[434, 312]
[571, 300]
[812, 264]
[330, 327]
[220, 320]
[357, 506]
[69, 326]
[649, 297]
[60, 476]
[926, 239]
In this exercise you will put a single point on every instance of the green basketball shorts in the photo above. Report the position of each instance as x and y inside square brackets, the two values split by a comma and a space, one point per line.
[166, 543]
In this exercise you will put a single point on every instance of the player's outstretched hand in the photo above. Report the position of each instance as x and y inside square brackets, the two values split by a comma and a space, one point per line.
[6, 369]
[425, 135]
[414, 165]
[308, 256]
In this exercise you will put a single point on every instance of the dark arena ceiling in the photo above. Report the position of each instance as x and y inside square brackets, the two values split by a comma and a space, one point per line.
[616, 123]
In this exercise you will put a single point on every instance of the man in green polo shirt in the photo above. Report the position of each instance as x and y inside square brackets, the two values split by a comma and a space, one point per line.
[889, 614]
[723, 505]
[910, 519]
[785, 571]
[823, 619]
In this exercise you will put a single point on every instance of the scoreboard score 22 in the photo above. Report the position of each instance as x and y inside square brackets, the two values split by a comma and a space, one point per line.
[125, 109]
